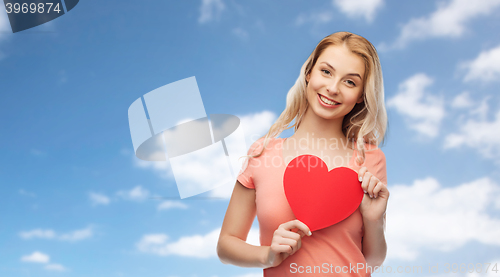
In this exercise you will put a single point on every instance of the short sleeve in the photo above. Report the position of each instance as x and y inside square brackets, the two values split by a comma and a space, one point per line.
[380, 167]
[245, 176]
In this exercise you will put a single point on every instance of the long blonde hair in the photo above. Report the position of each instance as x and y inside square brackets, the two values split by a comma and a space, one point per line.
[366, 122]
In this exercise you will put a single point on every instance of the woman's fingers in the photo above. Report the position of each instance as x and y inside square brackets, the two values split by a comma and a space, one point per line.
[280, 248]
[366, 181]
[371, 185]
[290, 242]
[299, 245]
[287, 238]
[380, 188]
[296, 224]
[361, 173]
[377, 188]
[287, 234]
[300, 232]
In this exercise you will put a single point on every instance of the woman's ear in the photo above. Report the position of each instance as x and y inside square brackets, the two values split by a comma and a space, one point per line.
[308, 76]
[361, 98]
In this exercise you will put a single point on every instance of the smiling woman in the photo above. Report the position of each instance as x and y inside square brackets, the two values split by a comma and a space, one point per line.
[325, 82]
[338, 97]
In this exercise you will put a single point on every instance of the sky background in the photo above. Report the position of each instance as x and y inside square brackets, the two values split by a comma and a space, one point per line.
[77, 202]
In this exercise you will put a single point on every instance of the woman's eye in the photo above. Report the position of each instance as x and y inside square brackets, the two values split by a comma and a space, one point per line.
[326, 71]
[351, 83]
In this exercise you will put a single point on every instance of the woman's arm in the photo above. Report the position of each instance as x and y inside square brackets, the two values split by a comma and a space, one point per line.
[373, 208]
[374, 245]
[232, 247]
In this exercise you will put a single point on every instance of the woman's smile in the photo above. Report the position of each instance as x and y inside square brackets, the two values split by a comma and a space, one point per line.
[338, 74]
[327, 103]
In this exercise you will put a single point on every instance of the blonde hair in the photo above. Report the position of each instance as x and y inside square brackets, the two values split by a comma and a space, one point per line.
[366, 122]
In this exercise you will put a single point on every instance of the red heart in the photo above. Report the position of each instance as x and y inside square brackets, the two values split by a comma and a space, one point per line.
[318, 197]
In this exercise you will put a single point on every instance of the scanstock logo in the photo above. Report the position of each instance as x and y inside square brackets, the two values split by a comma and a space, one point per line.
[25, 14]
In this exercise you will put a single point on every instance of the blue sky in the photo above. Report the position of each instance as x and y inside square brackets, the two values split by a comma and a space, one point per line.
[77, 202]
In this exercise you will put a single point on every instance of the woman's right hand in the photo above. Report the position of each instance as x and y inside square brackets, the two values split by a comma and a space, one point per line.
[286, 242]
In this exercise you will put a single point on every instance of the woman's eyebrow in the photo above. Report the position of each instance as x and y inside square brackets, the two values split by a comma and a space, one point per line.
[352, 74]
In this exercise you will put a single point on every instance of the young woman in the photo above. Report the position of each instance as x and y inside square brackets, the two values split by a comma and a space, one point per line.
[338, 106]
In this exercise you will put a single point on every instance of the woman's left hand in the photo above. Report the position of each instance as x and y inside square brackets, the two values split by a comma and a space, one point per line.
[374, 201]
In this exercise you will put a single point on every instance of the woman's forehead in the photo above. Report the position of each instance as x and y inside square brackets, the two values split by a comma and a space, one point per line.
[342, 59]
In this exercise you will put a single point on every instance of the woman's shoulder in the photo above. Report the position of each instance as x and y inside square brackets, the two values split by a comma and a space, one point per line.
[375, 161]
[257, 145]
[369, 147]
[374, 153]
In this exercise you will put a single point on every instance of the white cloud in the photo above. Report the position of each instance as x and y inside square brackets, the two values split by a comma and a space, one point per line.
[210, 10]
[492, 270]
[426, 215]
[98, 199]
[50, 234]
[486, 67]
[38, 233]
[253, 237]
[448, 20]
[4, 22]
[77, 235]
[359, 8]
[196, 246]
[39, 257]
[240, 33]
[36, 257]
[135, 194]
[55, 267]
[4, 25]
[254, 126]
[365, 9]
[422, 110]
[469, 109]
[27, 193]
[462, 100]
[480, 134]
[162, 168]
[4, 29]
[318, 17]
[481, 111]
[166, 205]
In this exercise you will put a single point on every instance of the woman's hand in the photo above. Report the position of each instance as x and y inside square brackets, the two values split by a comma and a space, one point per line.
[286, 242]
[374, 203]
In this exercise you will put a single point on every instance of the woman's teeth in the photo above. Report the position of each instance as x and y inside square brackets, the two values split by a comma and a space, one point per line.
[327, 101]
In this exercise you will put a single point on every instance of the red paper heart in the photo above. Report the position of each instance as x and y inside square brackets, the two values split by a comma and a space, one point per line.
[318, 197]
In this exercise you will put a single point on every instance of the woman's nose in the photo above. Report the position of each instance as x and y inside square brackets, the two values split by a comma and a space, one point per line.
[333, 87]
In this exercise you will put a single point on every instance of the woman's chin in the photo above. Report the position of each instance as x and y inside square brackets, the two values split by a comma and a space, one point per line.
[327, 116]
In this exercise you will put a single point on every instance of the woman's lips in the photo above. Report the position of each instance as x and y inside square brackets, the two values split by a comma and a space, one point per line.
[325, 104]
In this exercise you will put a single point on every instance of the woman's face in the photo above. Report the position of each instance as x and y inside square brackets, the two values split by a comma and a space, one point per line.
[338, 76]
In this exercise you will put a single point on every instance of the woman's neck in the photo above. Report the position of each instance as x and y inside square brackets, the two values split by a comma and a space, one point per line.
[323, 131]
